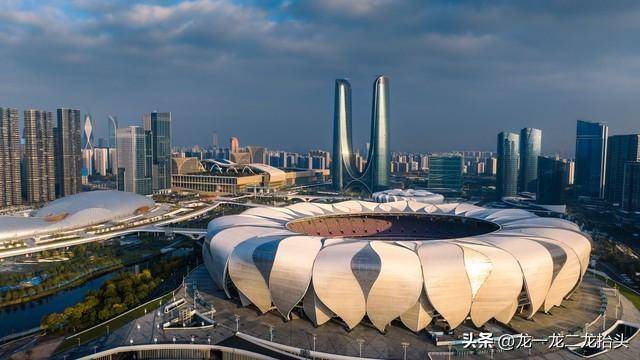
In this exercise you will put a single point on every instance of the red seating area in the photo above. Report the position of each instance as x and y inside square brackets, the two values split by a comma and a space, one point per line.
[395, 226]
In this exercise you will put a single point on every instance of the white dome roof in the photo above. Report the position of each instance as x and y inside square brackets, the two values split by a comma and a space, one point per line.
[422, 196]
[75, 211]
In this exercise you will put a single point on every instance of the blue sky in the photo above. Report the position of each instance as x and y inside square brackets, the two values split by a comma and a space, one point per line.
[461, 71]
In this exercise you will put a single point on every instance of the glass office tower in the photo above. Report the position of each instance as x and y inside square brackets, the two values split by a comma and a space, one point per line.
[133, 160]
[591, 158]
[159, 123]
[508, 160]
[552, 173]
[530, 148]
[445, 172]
[620, 150]
[344, 173]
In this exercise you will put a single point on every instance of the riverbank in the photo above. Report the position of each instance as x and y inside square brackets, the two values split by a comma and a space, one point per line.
[70, 285]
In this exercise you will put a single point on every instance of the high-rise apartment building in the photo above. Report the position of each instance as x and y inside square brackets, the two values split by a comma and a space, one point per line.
[133, 175]
[159, 124]
[101, 161]
[620, 150]
[68, 155]
[344, 173]
[508, 160]
[39, 168]
[490, 166]
[591, 158]
[113, 161]
[530, 149]
[10, 180]
[552, 176]
[445, 171]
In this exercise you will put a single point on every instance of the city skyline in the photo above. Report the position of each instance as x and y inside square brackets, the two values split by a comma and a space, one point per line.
[465, 74]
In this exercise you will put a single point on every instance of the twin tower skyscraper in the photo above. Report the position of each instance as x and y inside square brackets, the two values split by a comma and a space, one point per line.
[344, 172]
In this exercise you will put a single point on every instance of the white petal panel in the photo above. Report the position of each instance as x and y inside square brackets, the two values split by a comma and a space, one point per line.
[501, 287]
[534, 261]
[225, 222]
[318, 312]
[291, 272]
[445, 280]
[277, 214]
[566, 277]
[576, 240]
[245, 273]
[222, 245]
[336, 285]
[398, 285]
[419, 315]
[305, 208]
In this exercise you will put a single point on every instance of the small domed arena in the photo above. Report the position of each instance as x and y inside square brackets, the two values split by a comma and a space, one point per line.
[410, 261]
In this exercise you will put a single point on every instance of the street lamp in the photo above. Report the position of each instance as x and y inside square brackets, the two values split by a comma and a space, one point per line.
[209, 339]
[155, 340]
[78, 341]
[360, 342]
[131, 341]
[314, 342]
[270, 332]
[174, 339]
[237, 322]
[405, 345]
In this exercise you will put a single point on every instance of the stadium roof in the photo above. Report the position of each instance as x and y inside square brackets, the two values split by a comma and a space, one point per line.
[74, 211]
[480, 276]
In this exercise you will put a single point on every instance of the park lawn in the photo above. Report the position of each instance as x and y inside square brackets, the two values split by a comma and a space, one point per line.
[634, 298]
[114, 324]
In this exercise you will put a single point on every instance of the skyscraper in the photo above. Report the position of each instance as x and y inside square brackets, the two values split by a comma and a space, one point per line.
[68, 152]
[620, 149]
[530, 148]
[508, 160]
[234, 144]
[631, 186]
[132, 174]
[112, 126]
[159, 123]
[215, 142]
[87, 133]
[552, 180]
[591, 158]
[39, 169]
[344, 173]
[10, 181]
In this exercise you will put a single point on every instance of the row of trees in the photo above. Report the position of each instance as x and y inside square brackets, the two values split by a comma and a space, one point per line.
[117, 295]
[83, 260]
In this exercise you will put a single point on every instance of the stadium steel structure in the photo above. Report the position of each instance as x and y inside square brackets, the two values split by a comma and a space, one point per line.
[422, 196]
[405, 259]
[344, 173]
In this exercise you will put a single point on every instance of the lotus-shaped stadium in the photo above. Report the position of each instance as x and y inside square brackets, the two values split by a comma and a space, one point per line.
[409, 260]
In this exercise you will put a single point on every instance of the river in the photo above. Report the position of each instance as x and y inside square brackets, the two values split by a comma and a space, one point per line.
[26, 316]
